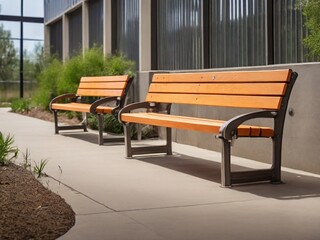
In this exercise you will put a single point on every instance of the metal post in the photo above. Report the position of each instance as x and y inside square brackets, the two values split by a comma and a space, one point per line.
[169, 141]
[21, 52]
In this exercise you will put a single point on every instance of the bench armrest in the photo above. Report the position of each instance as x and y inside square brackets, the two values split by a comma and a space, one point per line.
[133, 106]
[101, 101]
[228, 129]
[72, 96]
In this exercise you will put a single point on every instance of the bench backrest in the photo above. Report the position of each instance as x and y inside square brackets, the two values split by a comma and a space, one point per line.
[245, 89]
[103, 86]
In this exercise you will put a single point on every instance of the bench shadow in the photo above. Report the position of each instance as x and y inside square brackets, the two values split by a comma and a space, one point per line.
[93, 138]
[295, 186]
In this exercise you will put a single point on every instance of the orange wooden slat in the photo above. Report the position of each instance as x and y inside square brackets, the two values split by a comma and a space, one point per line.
[105, 78]
[239, 76]
[80, 107]
[102, 85]
[100, 92]
[259, 102]
[270, 89]
[196, 124]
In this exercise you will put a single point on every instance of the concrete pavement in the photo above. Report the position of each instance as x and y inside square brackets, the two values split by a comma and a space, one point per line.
[164, 197]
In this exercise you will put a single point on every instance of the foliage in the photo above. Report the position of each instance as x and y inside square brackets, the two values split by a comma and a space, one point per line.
[48, 83]
[38, 169]
[26, 160]
[8, 59]
[311, 10]
[59, 78]
[7, 151]
[111, 124]
[21, 105]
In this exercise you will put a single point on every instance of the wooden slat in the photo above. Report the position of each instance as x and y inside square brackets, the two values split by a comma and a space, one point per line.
[80, 107]
[103, 85]
[191, 123]
[260, 102]
[105, 78]
[244, 76]
[100, 92]
[77, 107]
[271, 89]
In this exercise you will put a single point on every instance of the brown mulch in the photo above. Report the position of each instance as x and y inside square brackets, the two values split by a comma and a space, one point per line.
[28, 210]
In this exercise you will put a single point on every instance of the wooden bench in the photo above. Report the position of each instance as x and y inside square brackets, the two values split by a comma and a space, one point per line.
[265, 91]
[94, 95]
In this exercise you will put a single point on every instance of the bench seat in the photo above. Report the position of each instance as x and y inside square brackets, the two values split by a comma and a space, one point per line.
[81, 107]
[195, 124]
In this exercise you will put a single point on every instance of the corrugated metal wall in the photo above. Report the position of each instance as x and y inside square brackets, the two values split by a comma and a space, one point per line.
[56, 39]
[54, 8]
[75, 32]
[237, 33]
[288, 32]
[95, 23]
[193, 34]
[179, 34]
[128, 29]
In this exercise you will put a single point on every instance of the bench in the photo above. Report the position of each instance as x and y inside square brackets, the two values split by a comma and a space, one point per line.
[267, 92]
[94, 95]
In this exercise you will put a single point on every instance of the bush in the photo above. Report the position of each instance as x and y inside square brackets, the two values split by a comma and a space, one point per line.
[7, 151]
[59, 78]
[21, 105]
[311, 10]
[48, 84]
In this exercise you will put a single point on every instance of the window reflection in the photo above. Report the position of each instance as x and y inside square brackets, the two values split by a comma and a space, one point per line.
[33, 8]
[12, 7]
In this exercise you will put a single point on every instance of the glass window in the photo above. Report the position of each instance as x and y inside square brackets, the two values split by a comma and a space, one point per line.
[10, 7]
[33, 31]
[33, 8]
[13, 27]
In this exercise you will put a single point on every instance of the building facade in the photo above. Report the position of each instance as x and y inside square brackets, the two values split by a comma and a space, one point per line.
[198, 35]
[179, 34]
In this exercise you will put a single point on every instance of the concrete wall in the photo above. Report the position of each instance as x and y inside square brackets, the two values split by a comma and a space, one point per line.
[301, 143]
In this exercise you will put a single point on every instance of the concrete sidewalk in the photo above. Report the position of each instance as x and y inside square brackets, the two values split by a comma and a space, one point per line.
[164, 197]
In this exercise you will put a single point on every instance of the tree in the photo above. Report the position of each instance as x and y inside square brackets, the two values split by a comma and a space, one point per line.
[311, 10]
[8, 59]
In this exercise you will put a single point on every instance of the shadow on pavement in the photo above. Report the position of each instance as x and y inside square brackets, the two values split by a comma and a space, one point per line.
[295, 186]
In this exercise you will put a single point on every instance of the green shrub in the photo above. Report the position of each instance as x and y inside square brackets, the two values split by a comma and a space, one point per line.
[7, 151]
[59, 78]
[21, 105]
[48, 84]
[311, 10]
[119, 65]
[111, 124]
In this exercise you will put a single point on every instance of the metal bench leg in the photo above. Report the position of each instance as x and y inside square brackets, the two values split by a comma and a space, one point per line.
[85, 122]
[226, 164]
[276, 159]
[100, 128]
[169, 141]
[127, 140]
[56, 128]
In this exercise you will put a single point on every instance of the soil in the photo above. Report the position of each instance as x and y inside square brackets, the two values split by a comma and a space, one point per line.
[28, 210]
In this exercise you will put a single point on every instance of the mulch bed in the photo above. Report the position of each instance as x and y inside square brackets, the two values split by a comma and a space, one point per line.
[28, 210]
